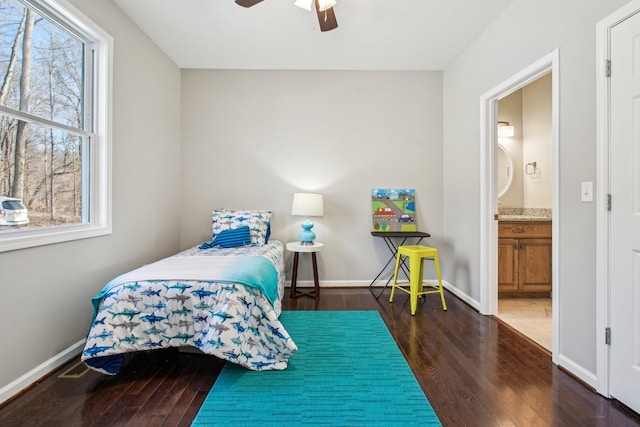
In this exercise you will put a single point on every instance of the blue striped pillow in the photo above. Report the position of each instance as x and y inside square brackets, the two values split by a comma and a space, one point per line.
[230, 238]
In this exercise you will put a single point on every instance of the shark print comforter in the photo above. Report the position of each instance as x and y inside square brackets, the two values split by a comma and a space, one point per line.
[225, 302]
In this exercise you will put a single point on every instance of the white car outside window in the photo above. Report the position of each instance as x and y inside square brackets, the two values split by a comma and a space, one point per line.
[12, 212]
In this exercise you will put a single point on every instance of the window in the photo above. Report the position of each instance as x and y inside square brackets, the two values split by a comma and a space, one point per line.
[55, 68]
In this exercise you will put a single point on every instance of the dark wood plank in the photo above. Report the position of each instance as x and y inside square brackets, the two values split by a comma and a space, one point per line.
[326, 19]
[474, 370]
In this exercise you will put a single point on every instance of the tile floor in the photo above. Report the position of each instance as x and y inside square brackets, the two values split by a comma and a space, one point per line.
[530, 316]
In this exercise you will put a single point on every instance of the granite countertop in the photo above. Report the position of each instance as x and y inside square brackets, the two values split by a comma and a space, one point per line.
[524, 214]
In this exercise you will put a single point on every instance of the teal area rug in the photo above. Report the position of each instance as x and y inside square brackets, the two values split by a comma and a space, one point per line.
[348, 371]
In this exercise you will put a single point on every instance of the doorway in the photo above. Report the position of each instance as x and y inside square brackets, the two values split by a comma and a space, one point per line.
[525, 186]
[489, 186]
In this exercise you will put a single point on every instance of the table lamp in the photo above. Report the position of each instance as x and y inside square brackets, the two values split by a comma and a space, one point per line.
[307, 204]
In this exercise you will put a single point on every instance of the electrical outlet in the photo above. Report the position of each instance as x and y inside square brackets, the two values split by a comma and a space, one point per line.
[586, 192]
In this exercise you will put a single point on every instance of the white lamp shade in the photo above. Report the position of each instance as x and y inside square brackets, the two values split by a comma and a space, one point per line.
[325, 4]
[304, 4]
[307, 204]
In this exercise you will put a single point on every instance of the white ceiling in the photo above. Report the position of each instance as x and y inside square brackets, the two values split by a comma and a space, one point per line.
[276, 35]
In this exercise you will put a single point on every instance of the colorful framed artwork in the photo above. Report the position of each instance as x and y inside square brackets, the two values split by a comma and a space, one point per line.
[393, 209]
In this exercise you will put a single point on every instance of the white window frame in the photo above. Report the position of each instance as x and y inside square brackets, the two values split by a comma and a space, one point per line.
[99, 102]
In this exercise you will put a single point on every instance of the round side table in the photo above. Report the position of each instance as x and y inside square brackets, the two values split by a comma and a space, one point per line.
[297, 248]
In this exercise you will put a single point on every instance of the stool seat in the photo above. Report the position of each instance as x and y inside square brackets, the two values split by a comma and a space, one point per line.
[417, 285]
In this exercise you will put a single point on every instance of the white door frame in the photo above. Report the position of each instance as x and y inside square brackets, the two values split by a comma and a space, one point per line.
[488, 185]
[603, 30]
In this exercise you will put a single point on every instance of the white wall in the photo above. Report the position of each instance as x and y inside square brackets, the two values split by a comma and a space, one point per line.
[528, 31]
[45, 306]
[253, 138]
[536, 143]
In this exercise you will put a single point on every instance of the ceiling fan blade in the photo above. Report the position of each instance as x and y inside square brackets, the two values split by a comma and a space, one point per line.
[248, 3]
[327, 19]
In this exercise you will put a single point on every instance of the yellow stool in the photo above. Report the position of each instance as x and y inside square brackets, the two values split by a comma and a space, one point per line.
[417, 254]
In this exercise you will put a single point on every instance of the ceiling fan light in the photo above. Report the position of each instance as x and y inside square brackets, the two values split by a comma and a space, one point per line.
[304, 4]
[325, 4]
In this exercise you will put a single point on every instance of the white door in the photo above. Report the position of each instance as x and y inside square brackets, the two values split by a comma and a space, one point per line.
[624, 374]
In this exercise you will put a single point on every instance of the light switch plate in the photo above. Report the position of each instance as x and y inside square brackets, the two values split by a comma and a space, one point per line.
[586, 192]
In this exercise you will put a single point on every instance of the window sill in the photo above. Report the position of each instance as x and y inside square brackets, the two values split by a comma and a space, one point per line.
[11, 240]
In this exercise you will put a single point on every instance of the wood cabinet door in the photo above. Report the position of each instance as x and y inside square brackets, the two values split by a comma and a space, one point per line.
[534, 265]
[507, 265]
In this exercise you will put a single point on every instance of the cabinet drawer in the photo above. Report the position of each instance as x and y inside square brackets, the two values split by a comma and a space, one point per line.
[524, 229]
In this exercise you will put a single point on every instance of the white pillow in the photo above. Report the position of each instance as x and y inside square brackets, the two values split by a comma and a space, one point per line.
[259, 222]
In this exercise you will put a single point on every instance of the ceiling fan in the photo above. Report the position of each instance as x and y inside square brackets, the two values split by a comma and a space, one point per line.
[324, 10]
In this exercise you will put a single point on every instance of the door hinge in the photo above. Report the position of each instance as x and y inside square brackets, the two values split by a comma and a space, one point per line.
[607, 336]
[609, 202]
[608, 68]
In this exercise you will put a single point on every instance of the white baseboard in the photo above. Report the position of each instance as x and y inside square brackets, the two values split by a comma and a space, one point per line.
[40, 371]
[461, 295]
[578, 371]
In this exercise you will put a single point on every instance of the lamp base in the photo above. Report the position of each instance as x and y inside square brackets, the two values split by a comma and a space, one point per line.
[307, 236]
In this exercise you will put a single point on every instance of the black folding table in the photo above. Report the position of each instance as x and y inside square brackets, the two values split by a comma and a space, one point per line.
[389, 237]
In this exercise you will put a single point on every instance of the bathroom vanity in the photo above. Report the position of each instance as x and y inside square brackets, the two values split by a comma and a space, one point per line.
[524, 255]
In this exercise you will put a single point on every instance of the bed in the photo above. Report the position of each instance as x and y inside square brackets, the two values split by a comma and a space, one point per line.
[222, 297]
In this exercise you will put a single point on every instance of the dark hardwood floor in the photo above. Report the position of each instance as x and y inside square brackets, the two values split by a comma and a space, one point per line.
[474, 370]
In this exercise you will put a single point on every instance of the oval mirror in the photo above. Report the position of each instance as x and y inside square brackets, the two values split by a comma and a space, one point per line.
[505, 170]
